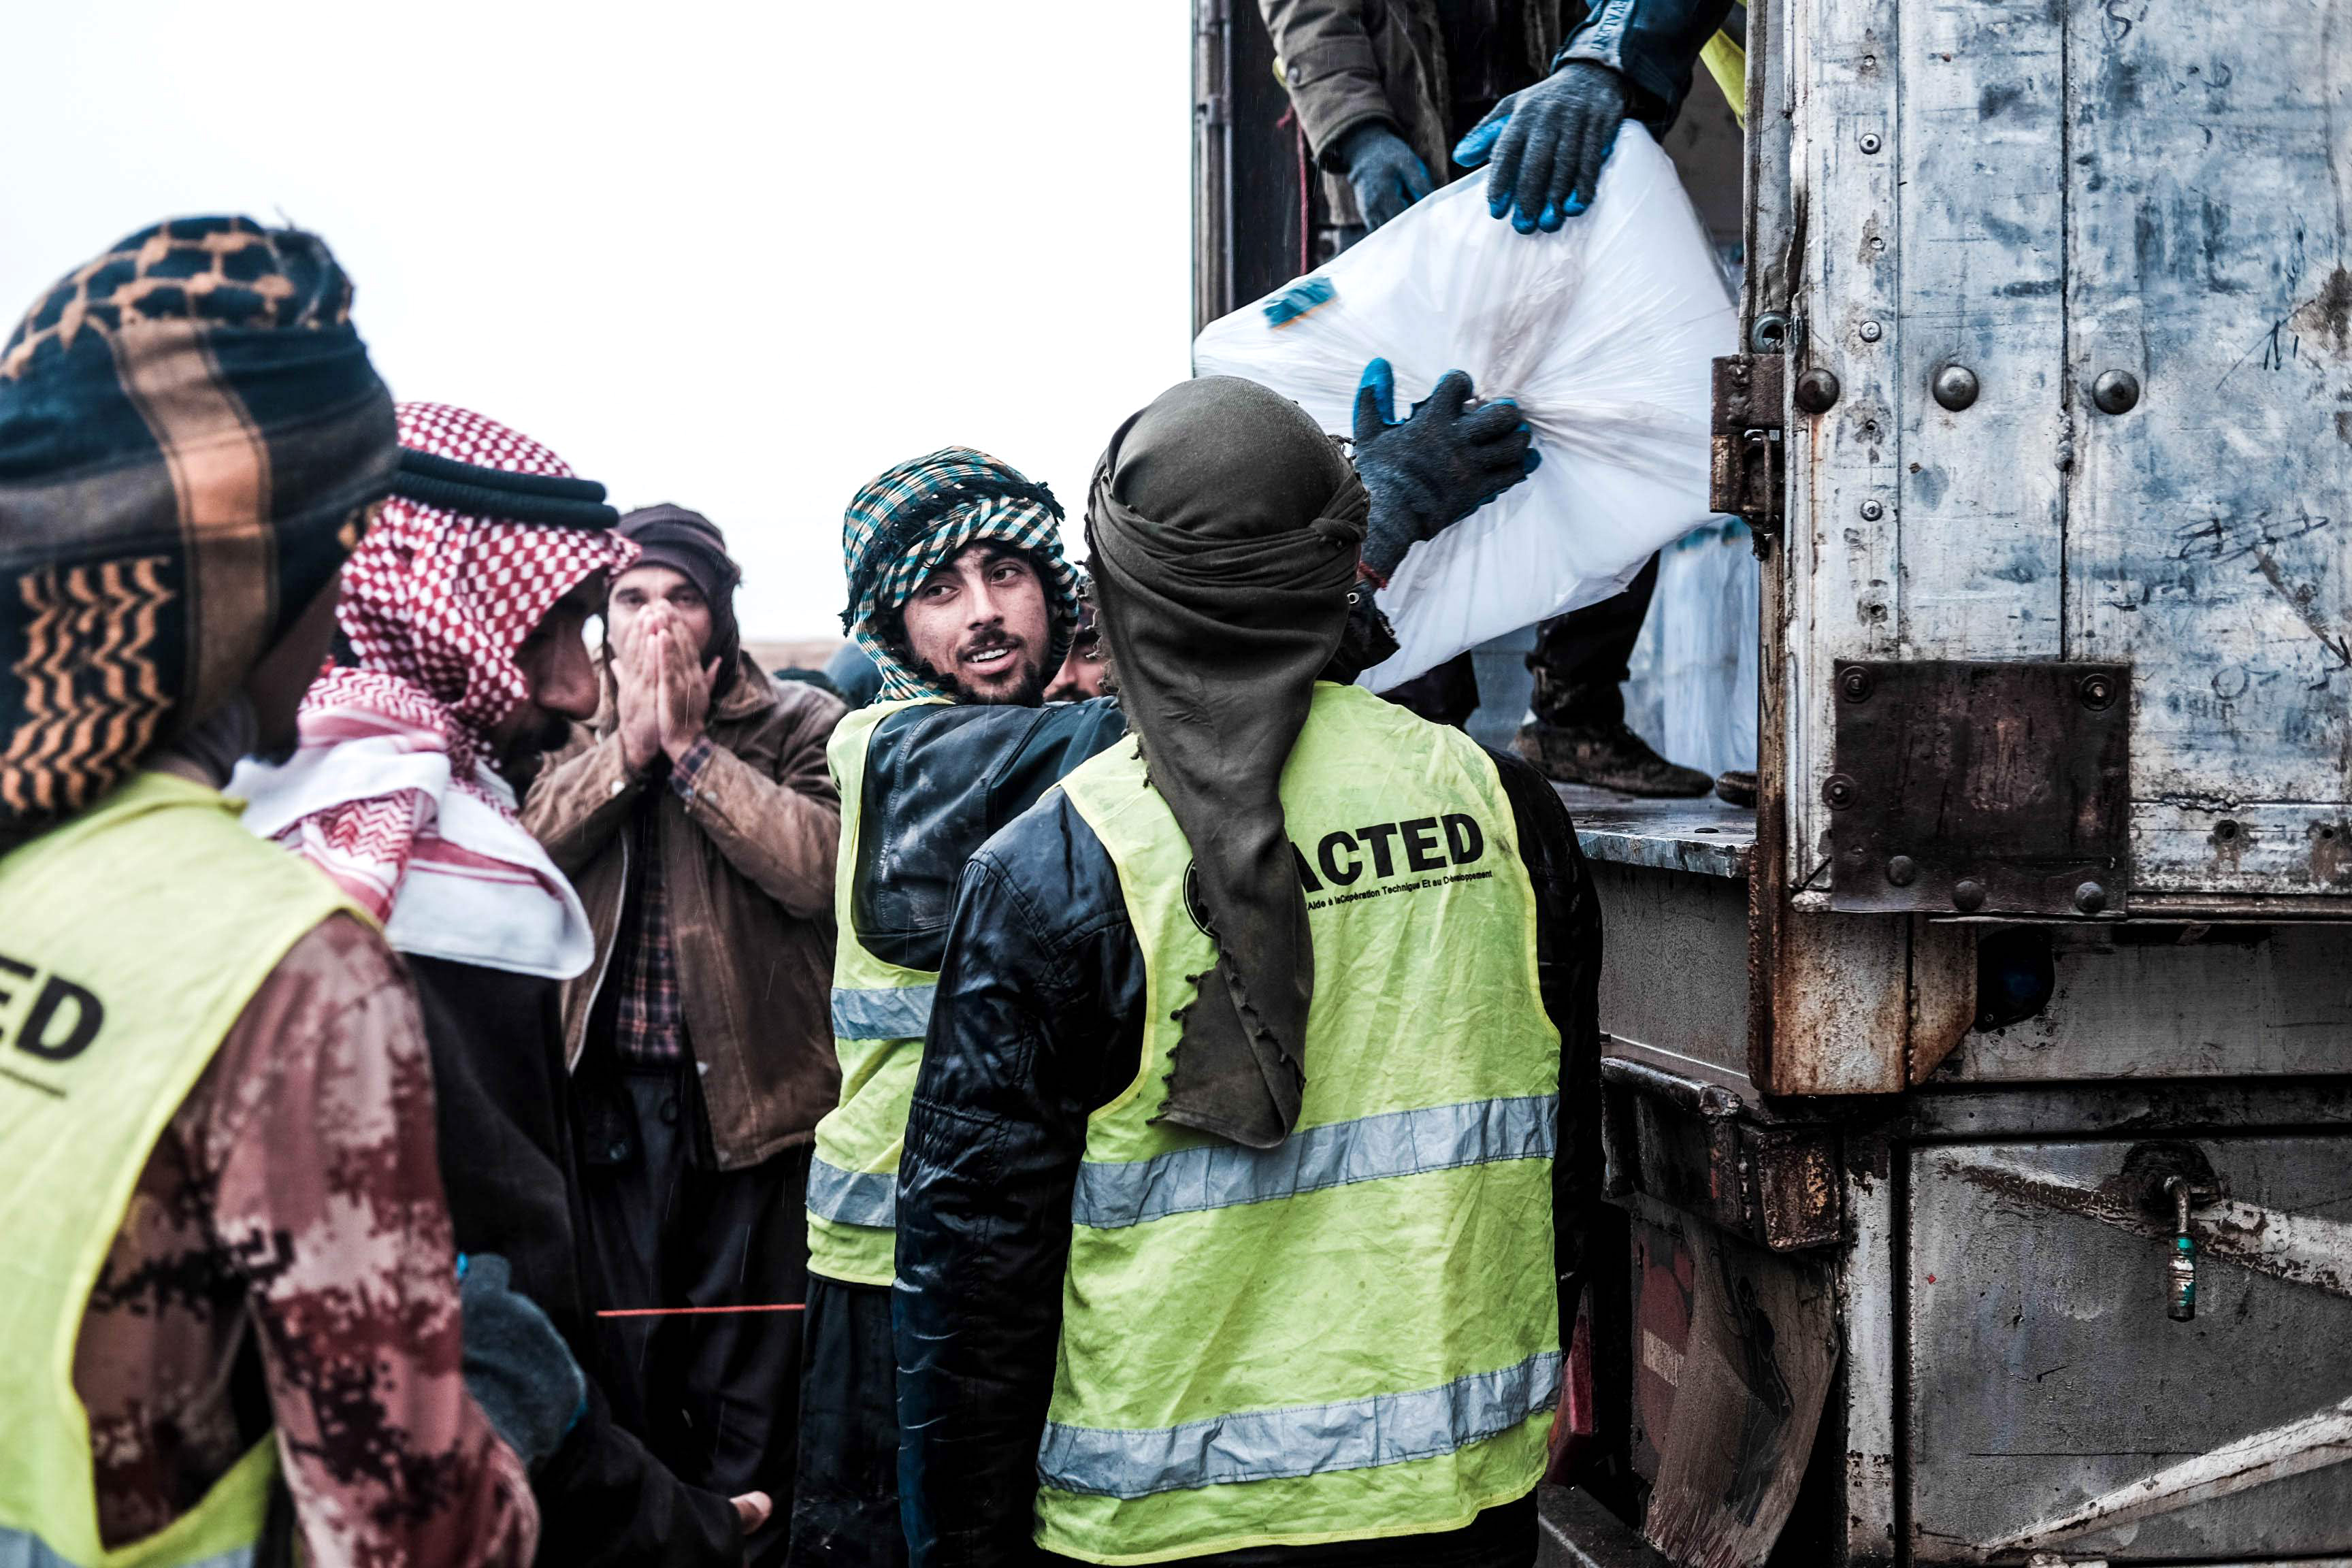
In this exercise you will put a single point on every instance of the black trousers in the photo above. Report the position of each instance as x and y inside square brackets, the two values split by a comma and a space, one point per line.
[1581, 658]
[715, 1397]
[845, 1499]
[1581, 661]
[845, 1495]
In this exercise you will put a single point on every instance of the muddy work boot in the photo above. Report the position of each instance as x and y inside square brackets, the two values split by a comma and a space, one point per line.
[1580, 737]
[1606, 756]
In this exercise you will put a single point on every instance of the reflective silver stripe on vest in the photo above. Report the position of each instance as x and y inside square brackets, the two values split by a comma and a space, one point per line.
[853, 1197]
[22, 1549]
[1399, 1144]
[888, 1013]
[1303, 1440]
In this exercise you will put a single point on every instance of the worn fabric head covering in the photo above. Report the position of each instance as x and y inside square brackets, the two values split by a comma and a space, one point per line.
[908, 520]
[191, 438]
[436, 601]
[1223, 527]
[394, 793]
[689, 544]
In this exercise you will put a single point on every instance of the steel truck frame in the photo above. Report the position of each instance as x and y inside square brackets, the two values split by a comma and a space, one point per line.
[1979, 1108]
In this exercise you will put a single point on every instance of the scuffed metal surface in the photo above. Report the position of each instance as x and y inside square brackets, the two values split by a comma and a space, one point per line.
[1705, 837]
[2308, 1443]
[1676, 975]
[1791, 1176]
[2055, 193]
[1866, 1308]
[1943, 992]
[2303, 1249]
[2209, 227]
[2179, 1001]
[1697, 1147]
[2047, 1382]
[1999, 786]
[1840, 1005]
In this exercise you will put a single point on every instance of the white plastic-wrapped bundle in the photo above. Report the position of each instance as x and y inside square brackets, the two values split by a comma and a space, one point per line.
[1706, 614]
[1602, 332]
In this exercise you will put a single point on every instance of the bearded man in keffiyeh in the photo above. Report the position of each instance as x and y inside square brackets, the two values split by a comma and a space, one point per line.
[463, 661]
[462, 614]
[911, 520]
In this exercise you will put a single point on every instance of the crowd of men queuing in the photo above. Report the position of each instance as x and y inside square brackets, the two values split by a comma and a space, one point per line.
[473, 1093]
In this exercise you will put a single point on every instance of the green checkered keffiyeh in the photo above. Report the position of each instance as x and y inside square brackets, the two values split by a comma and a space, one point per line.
[910, 519]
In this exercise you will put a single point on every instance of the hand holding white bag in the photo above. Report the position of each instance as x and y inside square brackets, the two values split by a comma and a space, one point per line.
[1603, 334]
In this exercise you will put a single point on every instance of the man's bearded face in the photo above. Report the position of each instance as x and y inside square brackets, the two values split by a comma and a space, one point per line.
[554, 660]
[980, 625]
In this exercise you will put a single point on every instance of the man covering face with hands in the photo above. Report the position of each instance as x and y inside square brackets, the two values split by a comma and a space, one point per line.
[658, 624]
[695, 817]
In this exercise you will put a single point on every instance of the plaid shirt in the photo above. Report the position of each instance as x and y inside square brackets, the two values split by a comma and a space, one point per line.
[650, 1027]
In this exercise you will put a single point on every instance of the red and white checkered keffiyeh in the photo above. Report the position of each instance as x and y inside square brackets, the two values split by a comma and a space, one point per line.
[393, 777]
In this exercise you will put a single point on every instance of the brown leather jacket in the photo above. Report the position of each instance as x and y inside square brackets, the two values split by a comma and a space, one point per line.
[748, 868]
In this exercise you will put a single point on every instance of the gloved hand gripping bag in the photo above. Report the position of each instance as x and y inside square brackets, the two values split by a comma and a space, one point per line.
[1603, 331]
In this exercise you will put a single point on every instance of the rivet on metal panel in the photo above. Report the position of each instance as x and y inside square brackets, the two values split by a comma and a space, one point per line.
[1838, 792]
[1871, 512]
[1855, 683]
[1968, 895]
[2097, 691]
[2089, 897]
[2116, 392]
[1871, 331]
[1769, 335]
[1902, 870]
[1870, 141]
[1817, 391]
[1956, 387]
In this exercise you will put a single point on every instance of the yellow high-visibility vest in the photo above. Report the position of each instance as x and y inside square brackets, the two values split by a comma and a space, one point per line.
[1726, 59]
[1356, 1334]
[130, 938]
[880, 1013]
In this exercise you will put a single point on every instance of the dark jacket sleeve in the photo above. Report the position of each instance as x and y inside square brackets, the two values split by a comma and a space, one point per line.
[1568, 970]
[508, 1167]
[938, 782]
[1330, 68]
[604, 1501]
[1652, 44]
[1038, 1020]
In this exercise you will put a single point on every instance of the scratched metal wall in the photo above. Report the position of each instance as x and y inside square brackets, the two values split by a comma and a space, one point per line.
[2044, 192]
[2053, 1402]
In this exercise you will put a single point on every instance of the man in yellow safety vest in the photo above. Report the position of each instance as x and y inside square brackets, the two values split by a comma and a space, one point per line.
[1226, 1217]
[959, 592]
[229, 1276]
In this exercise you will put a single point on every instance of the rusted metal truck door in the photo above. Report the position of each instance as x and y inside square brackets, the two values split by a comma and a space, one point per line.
[2071, 380]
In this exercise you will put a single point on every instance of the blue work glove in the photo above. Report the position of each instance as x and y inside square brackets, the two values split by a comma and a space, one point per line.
[517, 1366]
[1386, 174]
[1439, 464]
[1548, 142]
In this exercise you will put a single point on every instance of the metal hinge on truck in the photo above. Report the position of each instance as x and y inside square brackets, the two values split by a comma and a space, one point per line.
[1749, 471]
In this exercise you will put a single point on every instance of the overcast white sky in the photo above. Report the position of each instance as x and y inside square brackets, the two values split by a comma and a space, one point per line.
[740, 257]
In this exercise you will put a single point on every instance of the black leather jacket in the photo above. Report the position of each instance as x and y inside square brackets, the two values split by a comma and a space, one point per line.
[1038, 1022]
[1654, 45]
